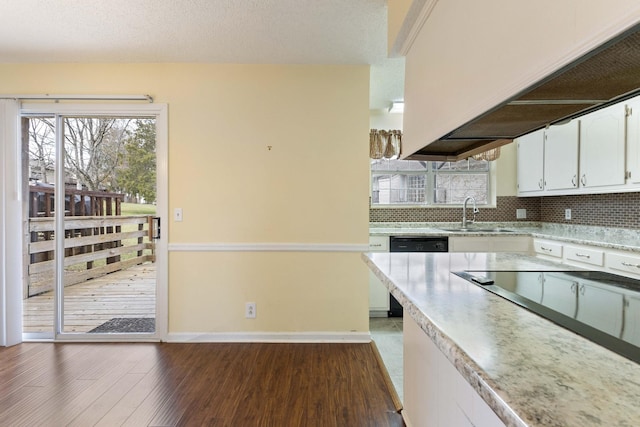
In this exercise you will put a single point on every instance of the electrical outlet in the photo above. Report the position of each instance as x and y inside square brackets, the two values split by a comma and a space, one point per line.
[177, 214]
[567, 214]
[521, 213]
[250, 310]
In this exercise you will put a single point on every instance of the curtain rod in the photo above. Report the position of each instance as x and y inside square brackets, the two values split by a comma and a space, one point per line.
[80, 97]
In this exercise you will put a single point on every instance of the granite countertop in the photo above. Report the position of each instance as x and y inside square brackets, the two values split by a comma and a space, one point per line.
[530, 371]
[606, 237]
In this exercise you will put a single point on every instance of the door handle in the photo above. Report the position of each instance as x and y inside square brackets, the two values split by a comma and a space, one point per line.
[154, 228]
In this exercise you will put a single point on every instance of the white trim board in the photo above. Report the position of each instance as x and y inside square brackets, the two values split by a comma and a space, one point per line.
[269, 337]
[268, 247]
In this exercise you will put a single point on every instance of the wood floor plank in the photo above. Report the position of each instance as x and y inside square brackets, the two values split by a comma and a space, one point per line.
[103, 378]
[230, 384]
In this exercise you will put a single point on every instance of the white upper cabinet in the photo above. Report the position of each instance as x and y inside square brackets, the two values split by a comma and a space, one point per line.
[602, 147]
[599, 153]
[530, 162]
[633, 141]
[561, 156]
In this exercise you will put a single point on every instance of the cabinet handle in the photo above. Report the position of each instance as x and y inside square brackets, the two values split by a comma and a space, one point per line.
[583, 255]
[628, 264]
[546, 249]
[583, 180]
[573, 180]
[540, 183]
[582, 289]
[574, 287]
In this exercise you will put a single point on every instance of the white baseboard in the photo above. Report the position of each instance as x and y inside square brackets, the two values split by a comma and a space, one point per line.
[271, 337]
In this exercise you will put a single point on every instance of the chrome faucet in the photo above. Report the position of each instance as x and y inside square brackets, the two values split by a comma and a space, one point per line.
[464, 212]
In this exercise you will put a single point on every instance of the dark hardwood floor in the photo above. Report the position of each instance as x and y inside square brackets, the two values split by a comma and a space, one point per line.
[148, 384]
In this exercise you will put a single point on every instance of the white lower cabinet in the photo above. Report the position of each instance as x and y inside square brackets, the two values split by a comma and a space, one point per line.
[560, 294]
[583, 256]
[631, 332]
[624, 263]
[600, 308]
[435, 393]
[548, 249]
[532, 290]
[378, 293]
[490, 244]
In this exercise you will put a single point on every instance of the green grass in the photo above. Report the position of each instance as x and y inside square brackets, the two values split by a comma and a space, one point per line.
[137, 209]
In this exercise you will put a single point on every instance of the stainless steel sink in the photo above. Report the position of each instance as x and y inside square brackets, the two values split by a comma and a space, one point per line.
[476, 230]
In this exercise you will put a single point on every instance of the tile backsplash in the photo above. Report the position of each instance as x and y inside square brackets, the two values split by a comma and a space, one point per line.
[620, 210]
[605, 210]
[505, 210]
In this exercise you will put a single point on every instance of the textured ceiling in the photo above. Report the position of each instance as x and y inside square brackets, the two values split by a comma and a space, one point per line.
[212, 31]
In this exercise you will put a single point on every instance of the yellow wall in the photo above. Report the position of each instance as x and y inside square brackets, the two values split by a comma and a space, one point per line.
[311, 187]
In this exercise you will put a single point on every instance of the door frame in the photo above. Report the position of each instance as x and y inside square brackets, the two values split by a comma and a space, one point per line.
[160, 112]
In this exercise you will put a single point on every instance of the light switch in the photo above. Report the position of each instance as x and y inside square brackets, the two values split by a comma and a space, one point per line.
[177, 214]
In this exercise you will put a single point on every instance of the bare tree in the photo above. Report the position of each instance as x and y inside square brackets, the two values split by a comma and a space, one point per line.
[93, 148]
[42, 146]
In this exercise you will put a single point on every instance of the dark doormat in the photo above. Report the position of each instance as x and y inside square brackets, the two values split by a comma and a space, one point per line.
[125, 325]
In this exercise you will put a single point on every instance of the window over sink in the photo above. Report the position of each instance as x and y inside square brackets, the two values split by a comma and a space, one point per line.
[422, 183]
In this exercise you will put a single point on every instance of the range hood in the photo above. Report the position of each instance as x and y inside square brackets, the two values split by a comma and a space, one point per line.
[609, 74]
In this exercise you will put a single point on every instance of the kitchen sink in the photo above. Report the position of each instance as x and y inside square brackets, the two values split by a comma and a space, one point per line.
[477, 230]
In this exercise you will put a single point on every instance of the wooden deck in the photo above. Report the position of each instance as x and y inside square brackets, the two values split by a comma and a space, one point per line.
[127, 293]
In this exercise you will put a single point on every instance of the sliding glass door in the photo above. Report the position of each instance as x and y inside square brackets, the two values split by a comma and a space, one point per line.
[91, 196]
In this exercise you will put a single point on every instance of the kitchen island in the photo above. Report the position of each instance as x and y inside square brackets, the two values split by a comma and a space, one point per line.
[528, 371]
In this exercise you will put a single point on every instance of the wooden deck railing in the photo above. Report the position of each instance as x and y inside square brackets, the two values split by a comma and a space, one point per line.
[76, 202]
[94, 246]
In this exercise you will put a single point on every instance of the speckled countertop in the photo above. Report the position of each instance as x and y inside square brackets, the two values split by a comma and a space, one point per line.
[607, 237]
[530, 371]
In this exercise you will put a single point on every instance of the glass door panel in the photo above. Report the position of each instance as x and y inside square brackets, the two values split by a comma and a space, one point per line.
[109, 270]
[38, 147]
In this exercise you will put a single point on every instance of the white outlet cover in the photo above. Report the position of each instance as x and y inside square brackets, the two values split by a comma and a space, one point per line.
[521, 213]
[250, 310]
[567, 214]
[177, 214]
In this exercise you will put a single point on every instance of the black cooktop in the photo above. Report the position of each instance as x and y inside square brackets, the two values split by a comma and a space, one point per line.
[602, 307]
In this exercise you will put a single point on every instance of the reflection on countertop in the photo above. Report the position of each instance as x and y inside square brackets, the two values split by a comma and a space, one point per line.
[529, 370]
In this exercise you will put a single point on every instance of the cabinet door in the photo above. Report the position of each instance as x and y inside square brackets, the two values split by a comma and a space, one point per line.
[633, 140]
[631, 331]
[560, 293]
[600, 308]
[561, 156]
[529, 287]
[531, 162]
[602, 147]
[378, 293]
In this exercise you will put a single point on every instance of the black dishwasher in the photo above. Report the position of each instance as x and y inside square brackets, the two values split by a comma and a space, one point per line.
[414, 244]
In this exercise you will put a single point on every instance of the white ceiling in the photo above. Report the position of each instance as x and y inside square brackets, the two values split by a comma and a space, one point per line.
[212, 31]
